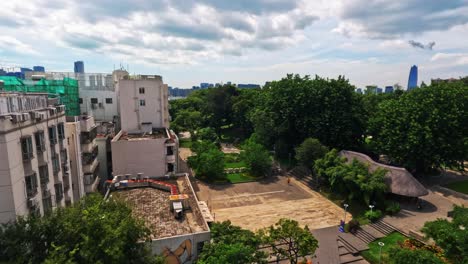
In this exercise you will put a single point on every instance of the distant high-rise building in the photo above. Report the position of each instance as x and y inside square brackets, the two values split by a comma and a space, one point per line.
[379, 90]
[38, 68]
[79, 67]
[389, 89]
[413, 78]
[359, 90]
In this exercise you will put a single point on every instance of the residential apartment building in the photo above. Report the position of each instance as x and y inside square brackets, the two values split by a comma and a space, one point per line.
[144, 144]
[34, 164]
[81, 135]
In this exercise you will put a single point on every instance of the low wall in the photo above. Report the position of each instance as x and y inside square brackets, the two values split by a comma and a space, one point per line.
[449, 192]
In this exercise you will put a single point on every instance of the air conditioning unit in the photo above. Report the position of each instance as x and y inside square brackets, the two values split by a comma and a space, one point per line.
[16, 118]
[26, 116]
[101, 105]
[31, 203]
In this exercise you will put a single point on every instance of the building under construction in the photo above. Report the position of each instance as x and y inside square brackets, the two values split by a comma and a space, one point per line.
[66, 90]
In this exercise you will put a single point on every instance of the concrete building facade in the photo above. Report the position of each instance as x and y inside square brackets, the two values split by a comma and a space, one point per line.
[34, 163]
[145, 144]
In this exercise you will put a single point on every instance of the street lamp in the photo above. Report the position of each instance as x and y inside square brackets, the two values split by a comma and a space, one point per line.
[371, 207]
[381, 244]
[345, 208]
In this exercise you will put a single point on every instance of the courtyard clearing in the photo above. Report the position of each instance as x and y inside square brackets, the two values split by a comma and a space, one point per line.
[256, 205]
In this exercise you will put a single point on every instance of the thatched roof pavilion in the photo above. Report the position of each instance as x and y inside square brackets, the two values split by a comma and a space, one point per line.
[399, 180]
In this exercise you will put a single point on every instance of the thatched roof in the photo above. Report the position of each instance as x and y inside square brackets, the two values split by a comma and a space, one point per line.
[399, 180]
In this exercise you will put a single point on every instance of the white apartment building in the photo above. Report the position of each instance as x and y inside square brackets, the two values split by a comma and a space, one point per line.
[84, 166]
[34, 164]
[145, 144]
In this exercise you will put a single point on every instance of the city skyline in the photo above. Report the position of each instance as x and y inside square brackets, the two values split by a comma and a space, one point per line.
[242, 43]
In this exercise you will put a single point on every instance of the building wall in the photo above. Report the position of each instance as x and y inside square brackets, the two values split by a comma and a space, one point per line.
[101, 111]
[155, 111]
[176, 244]
[76, 169]
[147, 156]
[13, 196]
[102, 143]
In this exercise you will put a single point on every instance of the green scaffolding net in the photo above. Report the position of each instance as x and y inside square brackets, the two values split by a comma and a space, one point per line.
[66, 90]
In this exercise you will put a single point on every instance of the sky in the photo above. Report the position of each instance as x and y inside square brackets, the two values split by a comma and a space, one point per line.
[370, 42]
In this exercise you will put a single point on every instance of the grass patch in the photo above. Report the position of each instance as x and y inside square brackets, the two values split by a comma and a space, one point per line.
[239, 164]
[461, 186]
[240, 177]
[232, 160]
[185, 143]
[390, 241]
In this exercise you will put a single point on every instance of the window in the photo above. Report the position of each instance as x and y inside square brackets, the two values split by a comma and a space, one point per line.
[58, 192]
[142, 102]
[55, 163]
[108, 100]
[52, 135]
[142, 90]
[27, 148]
[61, 131]
[44, 174]
[170, 167]
[80, 100]
[169, 151]
[40, 141]
[94, 100]
[31, 185]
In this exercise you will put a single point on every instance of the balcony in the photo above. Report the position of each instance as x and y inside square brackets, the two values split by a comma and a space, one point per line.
[89, 148]
[88, 136]
[87, 123]
[170, 158]
[91, 166]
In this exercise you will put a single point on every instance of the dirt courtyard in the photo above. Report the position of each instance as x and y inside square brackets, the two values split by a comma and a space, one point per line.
[257, 205]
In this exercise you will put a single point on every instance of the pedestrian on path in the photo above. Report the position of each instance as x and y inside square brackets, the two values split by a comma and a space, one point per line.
[289, 180]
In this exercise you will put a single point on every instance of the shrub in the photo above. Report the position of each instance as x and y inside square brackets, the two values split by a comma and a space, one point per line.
[373, 215]
[392, 208]
[352, 226]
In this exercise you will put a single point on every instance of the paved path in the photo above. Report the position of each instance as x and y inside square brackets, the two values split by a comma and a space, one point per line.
[435, 206]
[256, 205]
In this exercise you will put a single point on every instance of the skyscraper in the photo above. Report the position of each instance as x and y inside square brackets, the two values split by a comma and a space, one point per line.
[413, 78]
[79, 67]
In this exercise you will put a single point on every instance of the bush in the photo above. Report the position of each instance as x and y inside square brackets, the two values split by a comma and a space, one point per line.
[373, 215]
[352, 226]
[392, 208]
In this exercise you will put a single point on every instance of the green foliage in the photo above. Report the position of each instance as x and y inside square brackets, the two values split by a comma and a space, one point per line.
[208, 163]
[288, 240]
[452, 236]
[353, 180]
[231, 244]
[373, 215]
[89, 231]
[424, 128]
[391, 241]
[417, 256]
[296, 108]
[206, 134]
[256, 157]
[187, 120]
[392, 208]
[352, 226]
[309, 151]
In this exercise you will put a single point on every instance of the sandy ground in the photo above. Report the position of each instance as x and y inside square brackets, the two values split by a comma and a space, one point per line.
[184, 153]
[257, 205]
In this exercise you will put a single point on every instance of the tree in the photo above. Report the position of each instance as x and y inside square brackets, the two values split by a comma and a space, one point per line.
[296, 108]
[416, 256]
[187, 120]
[208, 163]
[309, 151]
[256, 157]
[231, 244]
[89, 231]
[425, 128]
[452, 237]
[353, 180]
[206, 134]
[288, 240]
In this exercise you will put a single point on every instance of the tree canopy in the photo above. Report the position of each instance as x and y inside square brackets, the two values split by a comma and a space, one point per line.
[452, 236]
[256, 157]
[309, 151]
[89, 231]
[208, 163]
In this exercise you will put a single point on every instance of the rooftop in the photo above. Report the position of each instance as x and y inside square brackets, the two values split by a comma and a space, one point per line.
[155, 133]
[153, 207]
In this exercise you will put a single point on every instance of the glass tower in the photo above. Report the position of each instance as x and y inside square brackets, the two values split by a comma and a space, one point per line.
[413, 78]
[79, 67]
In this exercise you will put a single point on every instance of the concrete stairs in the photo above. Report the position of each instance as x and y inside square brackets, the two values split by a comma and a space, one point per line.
[365, 236]
[349, 254]
[383, 227]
